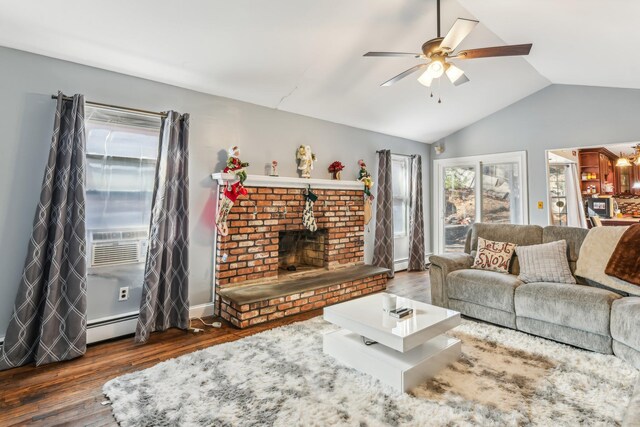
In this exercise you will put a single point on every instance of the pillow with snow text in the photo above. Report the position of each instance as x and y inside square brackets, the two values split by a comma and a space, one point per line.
[493, 256]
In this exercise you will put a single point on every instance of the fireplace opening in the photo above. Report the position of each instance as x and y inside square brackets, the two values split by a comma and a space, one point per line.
[301, 251]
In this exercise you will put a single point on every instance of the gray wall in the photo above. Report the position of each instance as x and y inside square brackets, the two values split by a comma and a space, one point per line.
[26, 121]
[558, 116]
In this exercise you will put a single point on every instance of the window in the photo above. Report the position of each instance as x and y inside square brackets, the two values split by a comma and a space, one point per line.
[558, 194]
[400, 180]
[121, 158]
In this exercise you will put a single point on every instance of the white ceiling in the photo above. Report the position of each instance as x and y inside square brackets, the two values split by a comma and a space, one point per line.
[302, 56]
[581, 42]
[626, 149]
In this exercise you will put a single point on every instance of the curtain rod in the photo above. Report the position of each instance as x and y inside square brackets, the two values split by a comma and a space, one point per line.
[115, 107]
[397, 154]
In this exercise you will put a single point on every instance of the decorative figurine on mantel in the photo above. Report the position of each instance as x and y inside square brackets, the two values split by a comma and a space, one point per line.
[305, 160]
[335, 168]
[365, 178]
[231, 191]
[274, 168]
[235, 165]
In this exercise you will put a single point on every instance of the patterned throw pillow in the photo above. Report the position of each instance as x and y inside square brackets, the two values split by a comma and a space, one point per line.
[494, 256]
[545, 263]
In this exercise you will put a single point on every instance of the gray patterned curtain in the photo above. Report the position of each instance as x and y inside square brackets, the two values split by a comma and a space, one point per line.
[383, 246]
[165, 293]
[416, 218]
[49, 322]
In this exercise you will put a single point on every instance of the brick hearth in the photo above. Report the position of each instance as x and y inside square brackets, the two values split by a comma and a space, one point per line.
[252, 257]
[250, 305]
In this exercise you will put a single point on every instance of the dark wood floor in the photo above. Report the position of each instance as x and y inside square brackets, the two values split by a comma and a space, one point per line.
[70, 393]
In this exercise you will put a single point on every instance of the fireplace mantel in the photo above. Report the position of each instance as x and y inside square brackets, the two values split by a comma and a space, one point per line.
[289, 182]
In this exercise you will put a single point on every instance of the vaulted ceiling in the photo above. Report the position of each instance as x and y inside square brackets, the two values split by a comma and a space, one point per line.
[305, 56]
[580, 42]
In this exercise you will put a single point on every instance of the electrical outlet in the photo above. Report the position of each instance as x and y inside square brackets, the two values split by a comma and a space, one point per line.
[124, 294]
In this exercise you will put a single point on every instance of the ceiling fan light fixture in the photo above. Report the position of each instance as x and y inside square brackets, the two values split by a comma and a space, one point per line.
[426, 79]
[453, 73]
[436, 68]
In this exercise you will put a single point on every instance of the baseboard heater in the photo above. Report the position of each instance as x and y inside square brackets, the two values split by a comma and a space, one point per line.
[108, 328]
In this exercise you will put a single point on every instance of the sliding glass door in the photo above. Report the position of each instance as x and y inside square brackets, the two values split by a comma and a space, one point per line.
[459, 205]
[478, 189]
[501, 193]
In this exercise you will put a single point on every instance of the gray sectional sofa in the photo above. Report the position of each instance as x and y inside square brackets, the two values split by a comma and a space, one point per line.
[583, 315]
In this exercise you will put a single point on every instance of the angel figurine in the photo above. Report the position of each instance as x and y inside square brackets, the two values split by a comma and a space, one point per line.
[305, 160]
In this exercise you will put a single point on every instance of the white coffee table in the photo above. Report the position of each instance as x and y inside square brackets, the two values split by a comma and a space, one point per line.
[407, 351]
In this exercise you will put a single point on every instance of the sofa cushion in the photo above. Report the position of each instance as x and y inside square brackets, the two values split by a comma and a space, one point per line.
[546, 262]
[487, 288]
[575, 306]
[625, 321]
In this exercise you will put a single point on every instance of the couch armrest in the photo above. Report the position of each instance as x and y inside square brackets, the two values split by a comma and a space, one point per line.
[441, 266]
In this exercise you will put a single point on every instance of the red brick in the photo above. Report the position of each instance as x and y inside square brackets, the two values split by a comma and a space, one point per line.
[248, 314]
[294, 310]
[268, 310]
[292, 297]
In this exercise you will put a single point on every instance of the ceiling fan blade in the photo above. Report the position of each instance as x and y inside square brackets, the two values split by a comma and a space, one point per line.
[489, 52]
[396, 54]
[455, 75]
[403, 74]
[460, 29]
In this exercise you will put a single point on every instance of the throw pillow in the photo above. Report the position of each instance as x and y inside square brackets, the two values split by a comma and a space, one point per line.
[545, 263]
[494, 256]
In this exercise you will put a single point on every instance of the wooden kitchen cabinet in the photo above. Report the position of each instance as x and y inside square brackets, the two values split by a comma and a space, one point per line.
[596, 170]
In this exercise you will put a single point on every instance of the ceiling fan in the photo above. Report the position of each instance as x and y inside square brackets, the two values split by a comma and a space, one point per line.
[439, 51]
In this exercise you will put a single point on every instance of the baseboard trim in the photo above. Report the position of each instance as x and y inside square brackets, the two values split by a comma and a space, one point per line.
[201, 310]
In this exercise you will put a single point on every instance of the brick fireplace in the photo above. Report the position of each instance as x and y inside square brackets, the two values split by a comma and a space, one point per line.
[270, 266]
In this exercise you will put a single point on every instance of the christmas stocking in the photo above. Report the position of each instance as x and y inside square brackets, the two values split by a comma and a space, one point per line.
[308, 220]
[231, 194]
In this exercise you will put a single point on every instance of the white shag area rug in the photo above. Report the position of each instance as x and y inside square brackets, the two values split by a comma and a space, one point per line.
[281, 378]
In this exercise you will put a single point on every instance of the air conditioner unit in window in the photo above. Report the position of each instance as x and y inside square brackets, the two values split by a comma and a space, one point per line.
[117, 247]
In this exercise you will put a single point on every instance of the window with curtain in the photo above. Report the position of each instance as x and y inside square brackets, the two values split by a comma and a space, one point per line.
[400, 170]
[122, 153]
